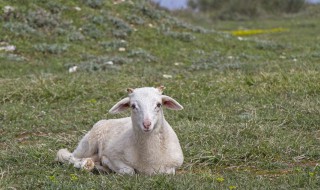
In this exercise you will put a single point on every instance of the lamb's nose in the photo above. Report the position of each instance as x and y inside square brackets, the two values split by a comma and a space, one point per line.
[146, 124]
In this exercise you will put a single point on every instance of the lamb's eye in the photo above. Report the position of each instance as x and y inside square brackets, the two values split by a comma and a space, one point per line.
[158, 105]
[133, 106]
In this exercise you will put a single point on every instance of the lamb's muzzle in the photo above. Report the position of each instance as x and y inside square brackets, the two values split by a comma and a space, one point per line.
[146, 124]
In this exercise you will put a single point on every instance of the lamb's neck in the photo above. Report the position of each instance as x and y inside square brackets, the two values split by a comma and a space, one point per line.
[154, 140]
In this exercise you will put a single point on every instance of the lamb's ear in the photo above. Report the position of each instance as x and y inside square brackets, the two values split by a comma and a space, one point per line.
[170, 103]
[120, 106]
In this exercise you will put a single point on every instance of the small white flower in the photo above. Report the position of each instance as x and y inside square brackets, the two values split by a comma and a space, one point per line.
[122, 49]
[166, 76]
[230, 57]
[295, 60]
[73, 69]
[8, 48]
[150, 25]
[177, 63]
[240, 38]
[110, 63]
[77, 8]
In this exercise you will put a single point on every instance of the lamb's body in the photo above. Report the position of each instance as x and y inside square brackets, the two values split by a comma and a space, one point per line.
[121, 145]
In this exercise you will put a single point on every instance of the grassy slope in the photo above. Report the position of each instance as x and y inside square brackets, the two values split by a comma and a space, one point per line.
[252, 106]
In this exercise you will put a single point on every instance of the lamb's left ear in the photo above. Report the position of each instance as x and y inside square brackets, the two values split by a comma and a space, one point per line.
[170, 103]
[120, 106]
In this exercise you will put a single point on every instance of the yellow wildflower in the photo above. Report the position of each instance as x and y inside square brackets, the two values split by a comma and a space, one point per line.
[257, 31]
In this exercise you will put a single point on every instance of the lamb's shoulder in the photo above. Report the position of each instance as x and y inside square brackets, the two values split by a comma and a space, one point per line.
[104, 132]
[116, 142]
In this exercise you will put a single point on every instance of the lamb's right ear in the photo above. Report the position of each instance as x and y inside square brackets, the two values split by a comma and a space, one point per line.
[120, 106]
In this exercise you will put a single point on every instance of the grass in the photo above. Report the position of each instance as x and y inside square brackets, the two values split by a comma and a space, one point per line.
[252, 104]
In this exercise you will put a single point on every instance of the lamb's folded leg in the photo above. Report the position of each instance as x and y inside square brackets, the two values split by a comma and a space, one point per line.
[117, 166]
[64, 156]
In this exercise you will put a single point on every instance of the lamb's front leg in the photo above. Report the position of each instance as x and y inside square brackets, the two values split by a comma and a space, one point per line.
[64, 156]
[117, 166]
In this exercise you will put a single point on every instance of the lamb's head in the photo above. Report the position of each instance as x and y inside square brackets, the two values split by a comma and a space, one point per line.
[146, 105]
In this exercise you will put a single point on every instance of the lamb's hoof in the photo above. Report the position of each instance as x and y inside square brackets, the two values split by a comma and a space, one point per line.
[87, 164]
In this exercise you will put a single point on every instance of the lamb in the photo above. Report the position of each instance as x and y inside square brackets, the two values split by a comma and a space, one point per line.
[144, 143]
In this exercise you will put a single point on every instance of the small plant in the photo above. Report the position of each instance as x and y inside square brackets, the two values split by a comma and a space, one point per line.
[92, 31]
[41, 18]
[140, 53]
[12, 57]
[183, 36]
[181, 24]
[122, 29]
[99, 20]
[51, 48]
[152, 13]
[268, 45]
[55, 7]
[100, 63]
[20, 29]
[96, 4]
[114, 45]
[219, 179]
[75, 36]
[134, 19]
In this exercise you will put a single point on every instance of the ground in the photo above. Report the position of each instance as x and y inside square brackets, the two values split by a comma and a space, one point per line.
[251, 103]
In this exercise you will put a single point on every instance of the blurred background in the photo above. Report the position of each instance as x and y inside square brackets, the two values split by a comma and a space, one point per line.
[184, 4]
[237, 9]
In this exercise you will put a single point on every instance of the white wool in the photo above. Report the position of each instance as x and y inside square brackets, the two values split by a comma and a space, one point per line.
[143, 143]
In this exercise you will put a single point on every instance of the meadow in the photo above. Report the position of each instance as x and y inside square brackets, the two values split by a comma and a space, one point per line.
[251, 117]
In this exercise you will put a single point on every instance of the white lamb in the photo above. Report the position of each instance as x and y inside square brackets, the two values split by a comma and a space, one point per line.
[143, 143]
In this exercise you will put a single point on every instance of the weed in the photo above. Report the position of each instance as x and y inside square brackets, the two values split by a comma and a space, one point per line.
[96, 4]
[121, 28]
[20, 29]
[51, 48]
[183, 36]
[92, 31]
[12, 57]
[114, 45]
[140, 53]
[134, 19]
[41, 18]
[75, 36]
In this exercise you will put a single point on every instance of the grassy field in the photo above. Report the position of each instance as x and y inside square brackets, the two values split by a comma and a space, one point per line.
[252, 103]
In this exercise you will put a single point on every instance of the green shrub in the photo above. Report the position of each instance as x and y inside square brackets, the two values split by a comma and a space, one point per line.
[41, 18]
[51, 48]
[183, 36]
[96, 4]
[19, 29]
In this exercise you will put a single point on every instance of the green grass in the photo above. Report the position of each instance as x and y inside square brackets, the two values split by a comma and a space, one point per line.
[252, 105]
